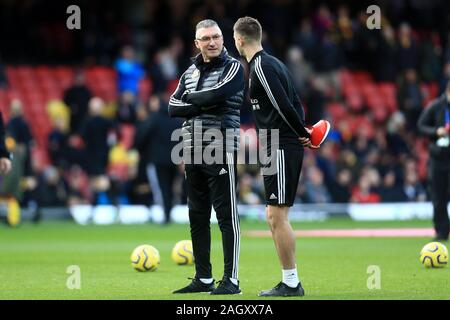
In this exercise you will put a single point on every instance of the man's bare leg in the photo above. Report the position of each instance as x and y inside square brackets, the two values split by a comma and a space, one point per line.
[283, 235]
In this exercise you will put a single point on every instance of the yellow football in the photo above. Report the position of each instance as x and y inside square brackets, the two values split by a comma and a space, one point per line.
[182, 253]
[434, 255]
[145, 258]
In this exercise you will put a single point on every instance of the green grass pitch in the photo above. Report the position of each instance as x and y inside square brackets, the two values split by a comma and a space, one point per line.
[34, 261]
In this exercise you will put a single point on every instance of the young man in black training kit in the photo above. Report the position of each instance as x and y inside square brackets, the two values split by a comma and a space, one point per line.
[210, 93]
[276, 106]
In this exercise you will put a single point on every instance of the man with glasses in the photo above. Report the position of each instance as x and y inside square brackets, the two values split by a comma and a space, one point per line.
[210, 94]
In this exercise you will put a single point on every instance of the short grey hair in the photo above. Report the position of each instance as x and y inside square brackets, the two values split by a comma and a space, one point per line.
[207, 23]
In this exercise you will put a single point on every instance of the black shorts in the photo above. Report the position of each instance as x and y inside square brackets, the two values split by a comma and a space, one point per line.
[281, 182]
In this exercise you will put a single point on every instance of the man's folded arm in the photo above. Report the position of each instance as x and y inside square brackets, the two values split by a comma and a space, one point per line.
[178, 108]
[232, 82]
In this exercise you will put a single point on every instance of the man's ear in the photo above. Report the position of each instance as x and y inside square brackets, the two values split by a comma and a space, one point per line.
[196, 44]
[241, 41]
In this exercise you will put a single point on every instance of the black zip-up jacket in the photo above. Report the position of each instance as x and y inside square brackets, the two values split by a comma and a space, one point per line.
[432, 118]
[274, 100]
[211, 94]
[3, 152]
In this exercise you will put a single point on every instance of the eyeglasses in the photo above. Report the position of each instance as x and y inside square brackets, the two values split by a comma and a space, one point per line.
[215, 38]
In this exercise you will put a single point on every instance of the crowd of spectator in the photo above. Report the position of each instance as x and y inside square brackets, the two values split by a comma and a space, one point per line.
[317, 42]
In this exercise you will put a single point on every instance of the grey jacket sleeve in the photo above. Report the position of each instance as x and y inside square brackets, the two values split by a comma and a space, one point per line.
[179, 108]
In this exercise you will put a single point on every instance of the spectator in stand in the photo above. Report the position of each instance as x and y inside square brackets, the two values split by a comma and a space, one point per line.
[374, 177]
[340, 187]
[57, 141]
[154, 136]
[345, 32]
[408, 52]
[322, 20]
[247, 194]
[77, 98]
[410, 98]
[326, 161]
[19, 130]
[329, 58]
[361, 145]
[387, 56]
[430, 58]
[3, 77]
[159, 81]
[365, 51]
[126, 110]
[347, 159]
[396, 134]
[77, 193]
[165, 66]
[314, 98]
[391, 190]
[139, 190]
[52, 190]
[129, 71]
[363, 193]
[316, 191]
[300, 69]
[95, 133]
[412, 188]
[305, 38]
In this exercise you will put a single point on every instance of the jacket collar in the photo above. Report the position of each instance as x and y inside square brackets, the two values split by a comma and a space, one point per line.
[257, 54]
[198, 59]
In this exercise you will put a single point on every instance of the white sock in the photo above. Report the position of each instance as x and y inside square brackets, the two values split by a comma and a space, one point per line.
[290, 277]
[207, 280]
[234, 281]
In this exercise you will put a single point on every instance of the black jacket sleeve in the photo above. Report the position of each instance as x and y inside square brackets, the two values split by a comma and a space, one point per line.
[3, 151]
[231, 83]
[179, 108]
[426, 123]
[271, 83]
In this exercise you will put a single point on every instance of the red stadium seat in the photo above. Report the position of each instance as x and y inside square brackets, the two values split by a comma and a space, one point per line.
[337, 111]
[368, 89]
[361, 125]
[345, 77]
[355, 102]
[380, 114]
[25, 72]
[361, 77]
[43, 74]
